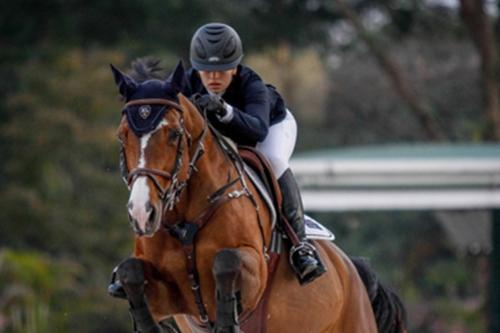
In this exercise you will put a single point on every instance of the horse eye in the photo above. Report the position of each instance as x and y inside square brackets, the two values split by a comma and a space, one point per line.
[174, 134]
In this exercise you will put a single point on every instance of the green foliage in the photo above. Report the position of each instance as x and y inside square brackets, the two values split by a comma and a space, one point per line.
[63, 194]
[29, 283]
[63, 150]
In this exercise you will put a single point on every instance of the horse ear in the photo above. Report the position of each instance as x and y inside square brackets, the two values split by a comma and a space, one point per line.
[126, 84]
[185, 103]
[178, 78]
[193, 118]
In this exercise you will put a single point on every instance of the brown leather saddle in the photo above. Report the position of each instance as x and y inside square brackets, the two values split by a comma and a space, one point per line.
[261, 166]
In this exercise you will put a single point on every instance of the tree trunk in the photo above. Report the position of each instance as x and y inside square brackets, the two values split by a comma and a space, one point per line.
[420, 109]
[477, 21]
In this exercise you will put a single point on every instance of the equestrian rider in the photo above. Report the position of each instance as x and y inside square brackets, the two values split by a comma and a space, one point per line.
[242, 107]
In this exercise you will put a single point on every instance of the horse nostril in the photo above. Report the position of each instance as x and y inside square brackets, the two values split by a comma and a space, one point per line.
[149, 206]
[152, 215]
[135, 226]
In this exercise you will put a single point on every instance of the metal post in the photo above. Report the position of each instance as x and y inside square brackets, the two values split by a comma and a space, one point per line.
[495, 273]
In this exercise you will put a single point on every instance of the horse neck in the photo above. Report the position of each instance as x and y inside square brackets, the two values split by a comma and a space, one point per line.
[214, 170]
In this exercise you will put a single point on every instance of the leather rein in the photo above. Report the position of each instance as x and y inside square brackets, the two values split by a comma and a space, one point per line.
[186, 231]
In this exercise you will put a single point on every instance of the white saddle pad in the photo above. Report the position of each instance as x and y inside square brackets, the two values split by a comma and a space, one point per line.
[314, 230]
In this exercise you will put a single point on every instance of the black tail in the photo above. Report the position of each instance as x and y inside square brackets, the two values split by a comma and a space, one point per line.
[389, 311]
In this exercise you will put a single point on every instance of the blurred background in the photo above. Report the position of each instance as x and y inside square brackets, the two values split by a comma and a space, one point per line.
[364, 73]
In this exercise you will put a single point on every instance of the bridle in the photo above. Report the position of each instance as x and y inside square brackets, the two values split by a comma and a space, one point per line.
[169, 195]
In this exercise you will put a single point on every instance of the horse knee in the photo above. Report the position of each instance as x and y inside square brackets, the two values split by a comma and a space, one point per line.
[226, 271]
[227, 262]
[227, 267]
[131, 274]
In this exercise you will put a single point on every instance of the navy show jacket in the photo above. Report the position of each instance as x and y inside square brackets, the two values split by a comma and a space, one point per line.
[256, 106]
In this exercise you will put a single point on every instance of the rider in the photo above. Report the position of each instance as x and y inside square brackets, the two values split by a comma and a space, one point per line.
[241, 106]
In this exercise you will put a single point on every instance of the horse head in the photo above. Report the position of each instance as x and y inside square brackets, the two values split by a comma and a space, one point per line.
[155, 146]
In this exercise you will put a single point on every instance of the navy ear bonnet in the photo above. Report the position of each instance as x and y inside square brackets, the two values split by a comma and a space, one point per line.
[144, 118]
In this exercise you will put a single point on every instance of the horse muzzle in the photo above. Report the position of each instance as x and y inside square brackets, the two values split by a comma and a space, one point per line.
[145, 221]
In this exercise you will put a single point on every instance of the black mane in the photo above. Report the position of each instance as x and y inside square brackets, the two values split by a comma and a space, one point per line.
[147, 80]
[147, 68]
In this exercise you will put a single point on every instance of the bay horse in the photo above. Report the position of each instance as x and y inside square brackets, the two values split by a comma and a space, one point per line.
[202, 235]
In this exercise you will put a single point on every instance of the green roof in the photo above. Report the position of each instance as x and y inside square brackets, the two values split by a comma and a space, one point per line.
[410, 151]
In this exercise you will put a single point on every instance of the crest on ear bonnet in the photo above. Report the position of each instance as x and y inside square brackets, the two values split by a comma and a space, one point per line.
[126, 85]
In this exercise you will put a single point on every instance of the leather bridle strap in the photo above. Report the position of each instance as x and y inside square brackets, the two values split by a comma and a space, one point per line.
[149, 173]
[160, 101]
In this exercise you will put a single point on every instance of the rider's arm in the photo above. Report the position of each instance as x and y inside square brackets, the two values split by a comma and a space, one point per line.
[251, 123]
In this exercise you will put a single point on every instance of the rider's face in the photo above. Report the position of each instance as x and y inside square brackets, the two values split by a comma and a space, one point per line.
[217, 81]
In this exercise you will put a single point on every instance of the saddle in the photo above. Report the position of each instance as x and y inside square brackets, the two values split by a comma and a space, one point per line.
[259, 164]
[262, 170]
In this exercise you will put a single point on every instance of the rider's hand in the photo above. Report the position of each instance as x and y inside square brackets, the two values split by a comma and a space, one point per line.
[212, 104]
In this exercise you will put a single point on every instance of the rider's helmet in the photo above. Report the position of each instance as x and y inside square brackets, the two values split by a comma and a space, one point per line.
[215, 47]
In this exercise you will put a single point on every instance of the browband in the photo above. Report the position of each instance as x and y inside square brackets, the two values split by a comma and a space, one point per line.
[154, 101]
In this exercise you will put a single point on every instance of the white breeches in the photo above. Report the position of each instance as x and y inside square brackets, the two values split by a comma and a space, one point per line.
[279, 144]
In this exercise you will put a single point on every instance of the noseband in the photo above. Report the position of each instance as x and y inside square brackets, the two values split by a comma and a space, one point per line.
[171, 194]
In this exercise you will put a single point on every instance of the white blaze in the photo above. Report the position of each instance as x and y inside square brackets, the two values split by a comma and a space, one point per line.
[139, 195]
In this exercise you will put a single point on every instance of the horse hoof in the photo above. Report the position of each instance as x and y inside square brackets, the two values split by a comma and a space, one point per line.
[116, 290]
[130, 273]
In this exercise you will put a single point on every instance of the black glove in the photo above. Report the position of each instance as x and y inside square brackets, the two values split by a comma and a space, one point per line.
[212, 104]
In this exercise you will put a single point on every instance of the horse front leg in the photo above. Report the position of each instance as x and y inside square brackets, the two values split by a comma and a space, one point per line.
[226, 271]
[131, 275]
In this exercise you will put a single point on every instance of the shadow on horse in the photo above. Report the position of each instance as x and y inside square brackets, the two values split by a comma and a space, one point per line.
[202, 253]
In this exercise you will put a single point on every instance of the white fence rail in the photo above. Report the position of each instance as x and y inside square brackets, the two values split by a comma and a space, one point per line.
[392, 184]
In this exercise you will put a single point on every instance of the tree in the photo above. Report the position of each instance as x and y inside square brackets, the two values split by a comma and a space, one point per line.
[420, 108]
[478, 22]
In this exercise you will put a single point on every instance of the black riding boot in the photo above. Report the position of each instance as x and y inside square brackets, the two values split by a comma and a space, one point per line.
[304, 258]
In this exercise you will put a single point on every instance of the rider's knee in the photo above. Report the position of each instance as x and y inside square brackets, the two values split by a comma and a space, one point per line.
[278, 164]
